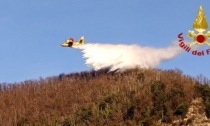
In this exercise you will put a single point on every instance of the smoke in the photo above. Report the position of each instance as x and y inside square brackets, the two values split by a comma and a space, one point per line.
[124, 57]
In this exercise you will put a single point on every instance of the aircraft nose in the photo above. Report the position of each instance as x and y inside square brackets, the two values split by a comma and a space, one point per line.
[64, 45]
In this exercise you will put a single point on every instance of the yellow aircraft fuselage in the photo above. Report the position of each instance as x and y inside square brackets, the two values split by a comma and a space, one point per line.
[71, 43]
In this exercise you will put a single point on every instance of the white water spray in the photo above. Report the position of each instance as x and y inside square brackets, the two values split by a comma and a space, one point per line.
[124, 57]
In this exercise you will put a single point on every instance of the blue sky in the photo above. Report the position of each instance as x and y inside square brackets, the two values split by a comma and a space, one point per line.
[31, 33]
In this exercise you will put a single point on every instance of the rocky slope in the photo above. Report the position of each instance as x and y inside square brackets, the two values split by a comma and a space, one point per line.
[196, 115]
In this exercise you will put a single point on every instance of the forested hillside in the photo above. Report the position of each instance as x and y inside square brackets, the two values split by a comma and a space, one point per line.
[135, 97]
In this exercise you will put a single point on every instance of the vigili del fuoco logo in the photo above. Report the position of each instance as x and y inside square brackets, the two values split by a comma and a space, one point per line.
[199, 35]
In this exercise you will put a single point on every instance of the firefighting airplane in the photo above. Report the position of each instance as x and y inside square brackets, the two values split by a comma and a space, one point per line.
[70, 42]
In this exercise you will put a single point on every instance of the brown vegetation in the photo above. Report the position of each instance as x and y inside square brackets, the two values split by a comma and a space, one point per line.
[135, 97]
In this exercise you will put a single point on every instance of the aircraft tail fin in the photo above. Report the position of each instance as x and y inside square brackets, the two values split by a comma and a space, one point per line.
[82, 40]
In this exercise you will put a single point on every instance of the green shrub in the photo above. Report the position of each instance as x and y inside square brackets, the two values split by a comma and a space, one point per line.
[181, 109]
